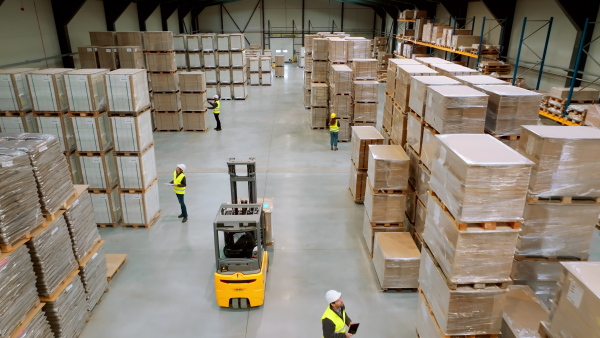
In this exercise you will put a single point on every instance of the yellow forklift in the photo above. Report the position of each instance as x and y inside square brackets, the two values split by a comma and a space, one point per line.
[240, 244]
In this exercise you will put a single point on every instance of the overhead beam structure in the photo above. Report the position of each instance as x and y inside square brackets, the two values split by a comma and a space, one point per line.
[113, 10]
[503, 10]
[182, 11]
[145, 9]
[196, 10]
[64, 11]
[166, 10]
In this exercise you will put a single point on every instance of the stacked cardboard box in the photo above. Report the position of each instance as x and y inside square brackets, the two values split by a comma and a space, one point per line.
[265, 70]
[396, 259]
[193, 101]
[362, 138]
[279, 63]
[308, 64]
[340, 88]
[473, 215]
[560, 213]
[389, 104]
[522, 313]
[15, 101]
[365, 93]
[357, 48]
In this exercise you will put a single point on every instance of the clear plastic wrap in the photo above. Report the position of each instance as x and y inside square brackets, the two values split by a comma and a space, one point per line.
[398, 132]
[21, 123]
[319, 71]
[161, 62]
[566, 160]
[68, 312]
[209, 60]
[194, 121]
[50, 168]
[237, 42]
[364, 69]
[320, 49]
[223, 42]
[19, 201]
[364, 112]
[358, 182]
[540, 275]
[93, 275]
[430, 147]
[555, 229]
[592, 118]
[181, 60]
[136, 171]
[509, 108]
[480, 80]
[18, 294]
[413, 167]
[428, 61]
[338, 50]
[127, 90]
[523, 313]
[341, 105]
[131, 57]
[48, 92]
[452, 69]
[52, 255]
[469, 256]
[193, 101]
[212, 75]
[462, 311]
[404, 74]
[60, 126]
[168, 121]
[79, 217]
[340, 79]
[362, 138]
[319, 94]
[208, 42]
[456, 109]
[422, 183]
[414, 132]
[319, 117]
[420, 218]
[132, 133]
[140, 207]
[107, 207]
[92, 133]
[35, 325]
[411, 203]
[369, 230]
[384, 208]
[167, 101]
[358, 48]
[388, 109]
[579, 93]
[165, 82]
[159, 41]
[396, 259]
[224, 59]
[388, 167]
[365, 91]
[14, 92]
[307, 98]
[345, 133]
[418, 90]
[425, 322]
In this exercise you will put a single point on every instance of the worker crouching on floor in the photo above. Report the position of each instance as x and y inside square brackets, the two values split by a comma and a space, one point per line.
[335, 320]
[179, 183]
[334, 129]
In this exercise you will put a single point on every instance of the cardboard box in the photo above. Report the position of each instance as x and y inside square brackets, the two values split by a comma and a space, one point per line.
[404, 73]
[265, 63]
[358, 179]
[108, 57]
[338, 50]
[477, 186]
[320, 49]
[422, 183]
[167, 101]
[48, 91]
[365, 112]
[179, 42]
[255, 79]
[140, 208]
[388, 108]
[107, 207]
[358, 48]
[86, 90]
[25, 123]
[223, 42]
[161, 62]
[14, 91]
[92, 133]
[61, 127]
[225, 91]
[411, 203]
[279, 60]
[369, 231]
[418, 91]
[168, 121]
[362, 139]
[224, 59]
[396, 259]
[319, 117]
[319, 71]
[565, 160]
[193, 43]
[456, 109]
[192, 81]
[365, 91]
[136, 171]
[127, 90]
[99, 172]
[414, 132]
[384, 208]
[103, 39]
[211, 75]
[509, 108]
[195, 121]
[225, 75]
[364, 69]
[131, 57]
[279, 71]
[238, 59]
[341, 105]
[254, 64]
[579, 94]
[388, 167]
[452, 69]
[210, 59]
[165, 82]
[159, 41]
[319, 94]
[208, 42]
[523, 313]
[88, 57]
[464, 40]
[132, 133]
[399, 121]
[134, 39]
[238, 75]
[237, 42]
[193, 101]
[181, 60]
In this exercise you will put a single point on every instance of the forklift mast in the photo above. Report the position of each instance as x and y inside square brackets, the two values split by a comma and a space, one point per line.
[250, 178]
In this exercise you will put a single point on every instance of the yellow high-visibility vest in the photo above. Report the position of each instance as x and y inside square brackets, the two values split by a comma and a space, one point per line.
[335, 128]
[340, 323]
[177, 180]
[217, 109]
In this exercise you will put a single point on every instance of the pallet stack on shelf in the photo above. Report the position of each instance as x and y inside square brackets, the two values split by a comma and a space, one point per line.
[362, 138]
[562, 205]
[193, 101]
[557, 100]
[474, 212]
[388, 126]
[104, 44]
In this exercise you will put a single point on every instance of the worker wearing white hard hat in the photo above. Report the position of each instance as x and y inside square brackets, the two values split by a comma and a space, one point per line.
[335, 321]
[215, 105]
[334, 129]
[179, 183]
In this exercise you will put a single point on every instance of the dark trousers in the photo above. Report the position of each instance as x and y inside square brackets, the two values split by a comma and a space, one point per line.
[182, 204]
[218, 121]
[333, 138]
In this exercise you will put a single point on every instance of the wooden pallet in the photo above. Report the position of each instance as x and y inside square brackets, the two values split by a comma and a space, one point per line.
[108, 225]
[398, 290]
[83, 262]
[195, 130]
[167, 92]
[159, 51]
[49, 113]
[146, 226]
[14, 113]
[169, 130]
[387, 224]
[79, 189]
[94, 153]
[61, 288]
[388, 191]
[49, 218]
[563, 200]
[241, 98]
[551, 259]
[86, 113]
[8, 248]
[128, 113]
[135, 190]
[114, 262]
[544, 330]
[315, 128]
[133, 153]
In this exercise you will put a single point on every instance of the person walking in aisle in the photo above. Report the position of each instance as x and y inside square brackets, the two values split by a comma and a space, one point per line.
[335, 320]
[216, 107]
[334, 129]
[179, 184]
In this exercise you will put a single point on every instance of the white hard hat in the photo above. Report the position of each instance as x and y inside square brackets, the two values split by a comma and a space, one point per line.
[216, 97]
[332, 296]
[181, 166]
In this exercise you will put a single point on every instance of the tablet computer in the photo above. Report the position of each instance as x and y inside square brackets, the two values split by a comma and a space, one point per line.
[353, 328]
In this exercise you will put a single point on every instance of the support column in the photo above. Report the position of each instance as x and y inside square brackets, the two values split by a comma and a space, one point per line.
[64, 11]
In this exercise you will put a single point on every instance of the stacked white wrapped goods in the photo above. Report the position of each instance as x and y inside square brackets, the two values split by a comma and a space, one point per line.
[180, 47]
[194, 51]
[474, 212]
[362, 138]
[15, 101]
[237, 46]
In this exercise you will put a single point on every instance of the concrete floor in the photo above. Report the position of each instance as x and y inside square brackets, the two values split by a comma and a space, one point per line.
[165, 289]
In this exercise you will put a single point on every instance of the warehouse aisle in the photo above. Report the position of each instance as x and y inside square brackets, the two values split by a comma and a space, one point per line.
[166, 289]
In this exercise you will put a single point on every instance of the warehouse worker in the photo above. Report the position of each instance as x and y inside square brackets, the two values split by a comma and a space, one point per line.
[334, 129]
[335, 320]
[216, 107]
[179, 185]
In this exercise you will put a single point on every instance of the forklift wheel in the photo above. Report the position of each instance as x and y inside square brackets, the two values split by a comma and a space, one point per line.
[235, 303]
[244, 303]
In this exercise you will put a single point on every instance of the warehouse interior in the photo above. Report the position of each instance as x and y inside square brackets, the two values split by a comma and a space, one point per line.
[352, 219]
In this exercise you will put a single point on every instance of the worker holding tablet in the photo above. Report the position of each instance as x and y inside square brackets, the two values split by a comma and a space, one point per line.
[335, 320]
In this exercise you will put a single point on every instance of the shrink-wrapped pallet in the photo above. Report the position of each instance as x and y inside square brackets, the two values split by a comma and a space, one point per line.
[193, 101]
[540, 275]
[522, 313]
[107, 207]
[140, 208]
[319, 71]
[14, 91]
[388, 167]
[396, 259]
[320, 49]
[224, 59]
[420, 217]
[418, 91]
[345, 132]
[209, 59]
[308, 42]
[265, 63]
[481, 80]
[238, 75]
[225, 75]
[161, 62]
[473, 255]
[340, 79]
[20, 204]
[579, 93]
[319, 94]
[131, 57]
[430, 61]
[422, 183]
[237, 42]
[456, 109]
[19, 122]
[430, 147]
[67, 311]
[239, 91]
[195, 121]
[212, 76]
[100, 171]
[18, 294]
[565, 160]
[181, 60]
[132, 133]
[319, 117]
[61, 126]
[195, 60]
[192, 81]
[48, 91]
[108, 57]
[462, 310]
[338, 50]
[159, 41]
[479, 179]
[179, 42]
[208, 42]
[398, 132]
[362, 139]
[130, 39]
[358, 181]
[364, 69]
[365, 91]
[358, 48]
[168, 121]
[265, 79]
[384, 208]
[509, 108]
[136, 171]
[167, 82]
[404, 74]
[92, 133]
[79, 217]
[414, 132]
[34, 325]
[364, 112]
[223, 42]
[238, 59]
[341, 105]
[93, 271]
[370, 229]
[54, 183]
[127, 90]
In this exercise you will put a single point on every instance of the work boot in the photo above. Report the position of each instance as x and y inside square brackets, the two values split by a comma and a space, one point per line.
[184, 220]
[216, 129]
[331, 147]
[180, 216]
[335, 148]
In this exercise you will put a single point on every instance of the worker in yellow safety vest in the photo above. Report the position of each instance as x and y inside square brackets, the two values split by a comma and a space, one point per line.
[179, 183]
[335, 320]
[216, 107]
[334, 129]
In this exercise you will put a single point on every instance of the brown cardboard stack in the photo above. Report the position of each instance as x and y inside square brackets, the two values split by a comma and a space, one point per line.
[362, 138]
[480, 80]
[193, 101]
[396, 259]
[130, 39]
[319, 96]
[364, 69]
[279, 63]
[338, 50]
[308, 64]
[389, 104]
[358, 48]
[453, 70]
[365, 98]
[88, 57]
[320, 49]
[404, 73]
[103, 38]
[509, 108]
[575, 310]
[108, 57]
[340, 88]
[131, 57]
[456, 109]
